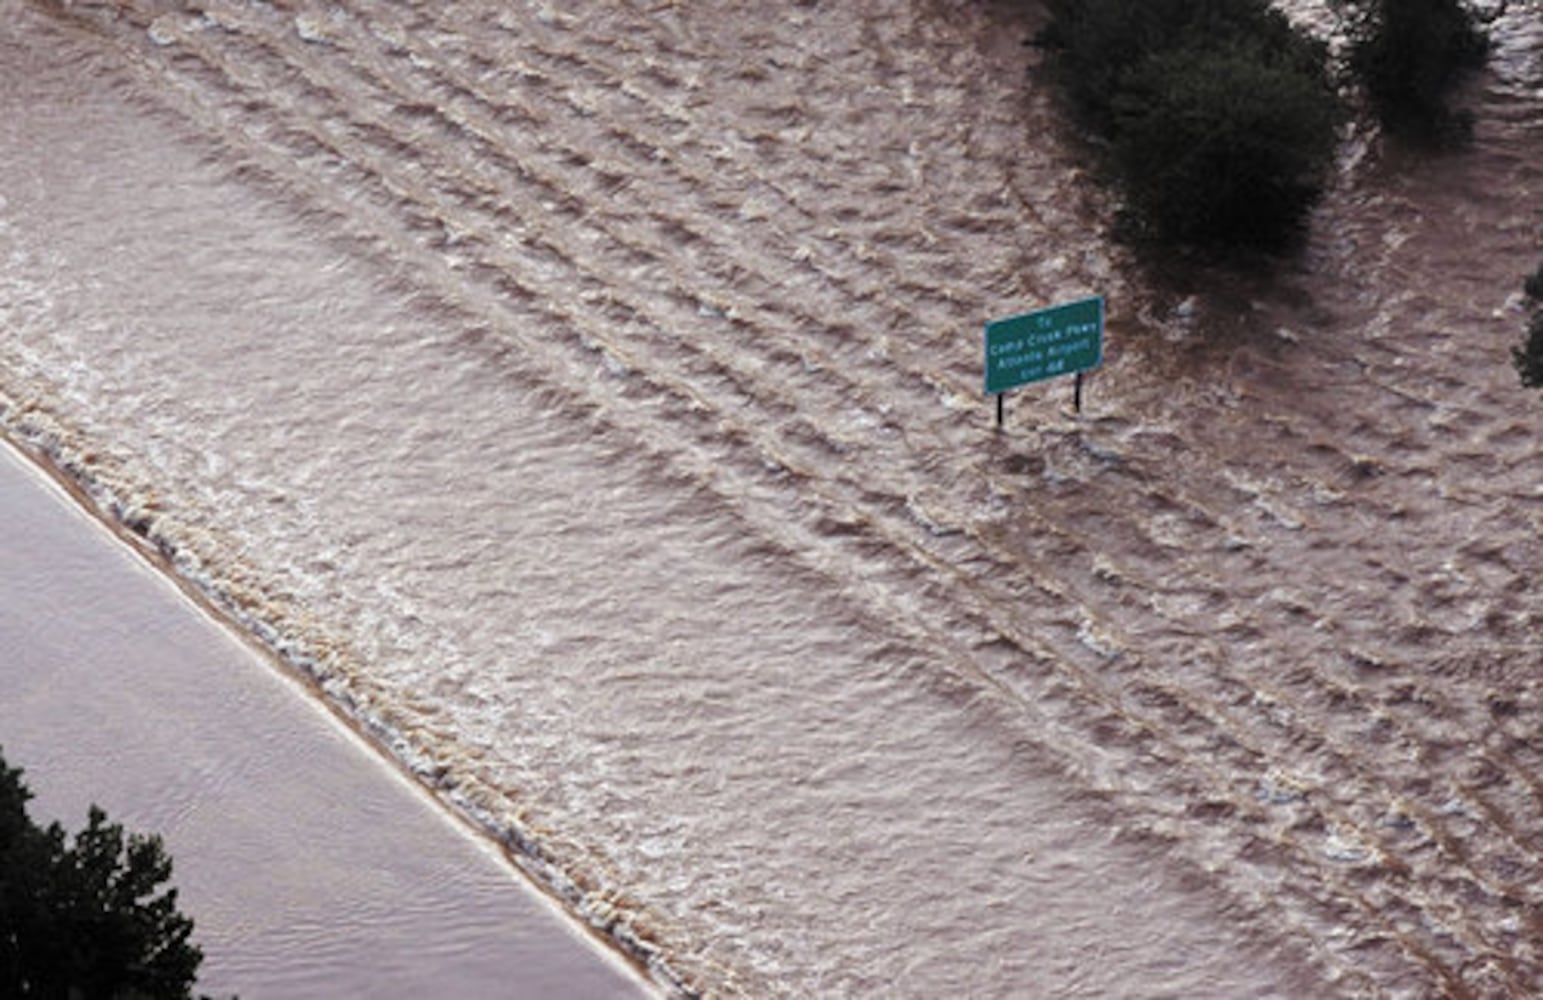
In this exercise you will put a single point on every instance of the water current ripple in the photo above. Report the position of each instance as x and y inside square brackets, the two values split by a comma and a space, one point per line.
[1268, 617]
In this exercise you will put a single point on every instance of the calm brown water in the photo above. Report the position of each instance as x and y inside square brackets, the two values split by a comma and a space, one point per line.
[590, 402]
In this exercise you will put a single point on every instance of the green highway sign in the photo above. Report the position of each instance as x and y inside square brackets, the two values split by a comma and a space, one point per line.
[1043, 344]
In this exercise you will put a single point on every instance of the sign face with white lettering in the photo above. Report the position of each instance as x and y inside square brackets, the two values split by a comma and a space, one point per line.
[1043, 344]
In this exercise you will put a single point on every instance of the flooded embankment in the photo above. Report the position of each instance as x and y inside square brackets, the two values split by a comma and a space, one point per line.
[590, 404]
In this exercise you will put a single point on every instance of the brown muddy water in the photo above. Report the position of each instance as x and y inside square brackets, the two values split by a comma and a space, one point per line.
[310, 869]
[588, 398]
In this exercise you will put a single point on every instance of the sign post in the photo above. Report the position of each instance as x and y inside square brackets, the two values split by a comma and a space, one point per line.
[1034, 346]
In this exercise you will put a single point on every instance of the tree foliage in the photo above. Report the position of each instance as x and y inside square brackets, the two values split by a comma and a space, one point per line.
[1533, 286]
[1408, 55]
[1528, 358]
[1218, 119]
[1097, 42]
[1222, 144]
[87, 918]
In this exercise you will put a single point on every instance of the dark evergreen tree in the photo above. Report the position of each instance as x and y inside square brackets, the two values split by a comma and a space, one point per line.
[1222, 144]
[1095, 43]
[1217, 119]
[1408, 55]
[87, 919]
[1528, 358]
[1533, 286]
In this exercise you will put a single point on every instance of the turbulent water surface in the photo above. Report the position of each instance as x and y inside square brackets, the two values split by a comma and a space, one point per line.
[588, 397]
[308, 868]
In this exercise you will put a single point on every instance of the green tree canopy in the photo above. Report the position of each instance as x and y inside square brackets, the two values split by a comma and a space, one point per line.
[1216, 118]
[86, 918]
[1097, 42]
[1223, 144]
[1528, 358]
[1408, 55]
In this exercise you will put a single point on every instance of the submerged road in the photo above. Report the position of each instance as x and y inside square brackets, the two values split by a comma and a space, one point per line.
[310, 867]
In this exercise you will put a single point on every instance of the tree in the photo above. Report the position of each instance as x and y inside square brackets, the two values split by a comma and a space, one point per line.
[1223, 144]
[1216, 118]
[1528, 358]
[1095, 43]
[1408, 55]
[86, 919]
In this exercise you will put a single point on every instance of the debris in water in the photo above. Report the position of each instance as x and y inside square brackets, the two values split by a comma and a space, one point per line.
[163, 30]
[313, 28]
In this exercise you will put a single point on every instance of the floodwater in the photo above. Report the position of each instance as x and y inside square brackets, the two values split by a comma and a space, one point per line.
[308, 867]
[590, 403]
